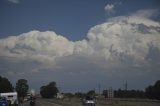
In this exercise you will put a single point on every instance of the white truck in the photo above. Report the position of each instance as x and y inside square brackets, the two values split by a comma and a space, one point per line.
[12, 97]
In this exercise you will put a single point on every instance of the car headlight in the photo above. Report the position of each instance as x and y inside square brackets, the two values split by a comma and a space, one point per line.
[90, 102]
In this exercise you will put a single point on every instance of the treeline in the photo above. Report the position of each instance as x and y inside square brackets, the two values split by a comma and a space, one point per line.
[151, 92]
[80, 94]
[50, 90]
[129, 94]
[21, 87]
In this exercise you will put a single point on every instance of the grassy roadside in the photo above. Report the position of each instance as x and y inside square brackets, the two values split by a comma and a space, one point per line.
[127, 102]
[114, 102]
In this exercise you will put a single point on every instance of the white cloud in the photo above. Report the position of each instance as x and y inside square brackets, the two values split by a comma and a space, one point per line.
[146, 13]
[14, 1]
[40, 46]
[121, 37]
[121, 45]
[118, 39]
[109, 8]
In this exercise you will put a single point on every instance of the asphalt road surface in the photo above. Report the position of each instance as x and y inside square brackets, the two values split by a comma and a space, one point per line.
[40, 102]
[54, 102]
[44, 102]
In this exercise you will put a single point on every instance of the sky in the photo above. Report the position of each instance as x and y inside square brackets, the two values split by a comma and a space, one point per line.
[80, 44]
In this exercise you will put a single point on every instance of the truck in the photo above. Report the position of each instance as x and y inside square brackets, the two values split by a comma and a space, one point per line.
[11, 97]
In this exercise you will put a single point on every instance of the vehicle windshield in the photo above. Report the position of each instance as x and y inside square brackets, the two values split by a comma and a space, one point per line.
[89, 98]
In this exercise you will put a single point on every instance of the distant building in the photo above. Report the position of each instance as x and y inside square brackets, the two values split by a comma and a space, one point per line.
[110, 93]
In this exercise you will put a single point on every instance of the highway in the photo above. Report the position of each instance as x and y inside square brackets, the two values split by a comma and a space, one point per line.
[41, 102]
[54, 102]
[45, 102]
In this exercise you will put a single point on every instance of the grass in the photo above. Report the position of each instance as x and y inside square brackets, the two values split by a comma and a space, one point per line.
[127, 102]
[118, 102]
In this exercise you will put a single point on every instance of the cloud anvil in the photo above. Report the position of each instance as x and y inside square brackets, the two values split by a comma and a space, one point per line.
[122, 47]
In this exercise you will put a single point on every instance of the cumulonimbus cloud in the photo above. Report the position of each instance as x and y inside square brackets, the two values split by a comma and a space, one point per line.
[125, 39]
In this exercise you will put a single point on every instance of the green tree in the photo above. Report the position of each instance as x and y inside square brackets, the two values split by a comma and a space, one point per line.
[129, 94]
[91, 93]
[49, 91]
[22, 87]
[157, 90]
[5, 85]
[153, 91]
[80, 95]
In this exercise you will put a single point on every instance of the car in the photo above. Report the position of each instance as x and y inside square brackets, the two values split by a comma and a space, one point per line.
[3, 101]
[89, 101]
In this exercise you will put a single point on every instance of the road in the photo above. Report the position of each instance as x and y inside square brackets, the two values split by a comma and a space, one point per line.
[41, 102]
[54, 102]
[45, 102]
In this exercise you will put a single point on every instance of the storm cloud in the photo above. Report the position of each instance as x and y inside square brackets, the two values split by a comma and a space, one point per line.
[121, 46]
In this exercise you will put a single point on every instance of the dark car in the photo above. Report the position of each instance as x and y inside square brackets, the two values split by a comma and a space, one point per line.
[3, 102]
[89, 101]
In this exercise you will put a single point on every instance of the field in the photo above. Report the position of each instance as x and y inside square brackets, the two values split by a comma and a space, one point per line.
[117, 102]
[128, 103]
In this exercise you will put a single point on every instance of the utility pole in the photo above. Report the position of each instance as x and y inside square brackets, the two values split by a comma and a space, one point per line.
[99, 88]
[126, 86]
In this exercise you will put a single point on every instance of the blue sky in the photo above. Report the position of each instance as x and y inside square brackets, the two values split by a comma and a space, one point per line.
[80, 43]
[71, 18]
